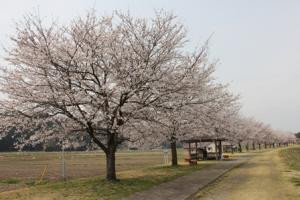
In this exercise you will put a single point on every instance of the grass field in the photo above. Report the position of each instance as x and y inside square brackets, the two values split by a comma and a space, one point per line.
[20, 174]
[291, 158]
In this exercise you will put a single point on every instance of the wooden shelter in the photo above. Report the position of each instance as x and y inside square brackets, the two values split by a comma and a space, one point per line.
[203, 148]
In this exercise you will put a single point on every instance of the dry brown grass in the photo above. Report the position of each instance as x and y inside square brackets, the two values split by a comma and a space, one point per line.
[78, 164]
[262, 178]
[97, 188]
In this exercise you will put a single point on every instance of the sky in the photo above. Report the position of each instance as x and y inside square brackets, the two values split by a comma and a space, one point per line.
[257, 43]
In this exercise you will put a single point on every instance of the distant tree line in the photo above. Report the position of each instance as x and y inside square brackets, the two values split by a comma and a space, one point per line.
[9, 141]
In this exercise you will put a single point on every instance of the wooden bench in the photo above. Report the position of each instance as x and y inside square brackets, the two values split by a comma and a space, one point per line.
[191, 161]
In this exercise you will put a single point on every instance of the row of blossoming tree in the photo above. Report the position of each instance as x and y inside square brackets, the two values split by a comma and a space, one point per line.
[114, 79]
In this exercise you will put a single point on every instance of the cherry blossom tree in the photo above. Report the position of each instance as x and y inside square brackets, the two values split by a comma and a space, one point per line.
[186, 113]
[100, 76]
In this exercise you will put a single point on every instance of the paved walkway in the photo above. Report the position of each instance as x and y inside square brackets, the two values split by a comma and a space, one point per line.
[183, 187]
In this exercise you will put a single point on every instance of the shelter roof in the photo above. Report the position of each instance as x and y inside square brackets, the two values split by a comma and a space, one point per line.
[203, 139]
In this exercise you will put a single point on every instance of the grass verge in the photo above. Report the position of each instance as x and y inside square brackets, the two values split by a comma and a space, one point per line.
[98, 188]
[291, 158]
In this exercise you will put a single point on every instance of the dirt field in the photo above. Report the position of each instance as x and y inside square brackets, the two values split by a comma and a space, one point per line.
[264, 177]
[78, 164]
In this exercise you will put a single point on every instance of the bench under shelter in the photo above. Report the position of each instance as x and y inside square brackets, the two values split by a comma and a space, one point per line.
[202, 148]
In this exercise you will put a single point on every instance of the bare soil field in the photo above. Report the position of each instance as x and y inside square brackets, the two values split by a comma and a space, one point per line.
[137, 171]
[31, 165]
[22, 169]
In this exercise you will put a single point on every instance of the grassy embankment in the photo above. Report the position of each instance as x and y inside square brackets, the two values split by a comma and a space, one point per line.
[291, 158]
[136, 172]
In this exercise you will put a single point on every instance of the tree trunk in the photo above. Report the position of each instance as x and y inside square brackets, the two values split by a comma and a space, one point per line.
[240, 148]
[253, 146]
[265, 145]
[174, 153]
[259, 146]
[247, 147]
[110, 152]
[111, 165]
[220, 150]
[111, 157]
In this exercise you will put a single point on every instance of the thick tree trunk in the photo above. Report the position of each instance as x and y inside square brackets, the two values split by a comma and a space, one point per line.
[111, 165]
[240, 148]
[259, 147]
[265, 145]
[174, 153]
[247, 147]
[253, 146]
[111, 157]
[109, 150]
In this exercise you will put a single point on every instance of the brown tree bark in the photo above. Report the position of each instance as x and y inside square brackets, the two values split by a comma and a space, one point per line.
[240, 148]
[111, 166]
[174, 153]
[111, 157]
[109, 150]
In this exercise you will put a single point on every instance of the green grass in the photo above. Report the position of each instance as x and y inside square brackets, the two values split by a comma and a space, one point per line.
[291, 157]
[98, 188]
[10, 181]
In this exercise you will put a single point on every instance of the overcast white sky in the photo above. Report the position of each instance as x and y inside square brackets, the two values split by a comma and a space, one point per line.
[257, 42]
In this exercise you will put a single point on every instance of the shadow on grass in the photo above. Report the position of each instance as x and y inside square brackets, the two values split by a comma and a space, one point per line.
[296, 181]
